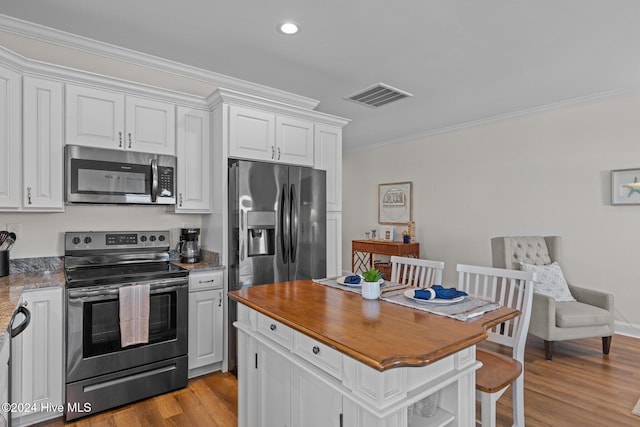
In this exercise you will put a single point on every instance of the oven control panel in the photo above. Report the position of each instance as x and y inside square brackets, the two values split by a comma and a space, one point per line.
[113, 240]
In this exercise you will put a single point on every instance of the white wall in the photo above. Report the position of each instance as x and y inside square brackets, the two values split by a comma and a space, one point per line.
[546, 173]
[43, 233]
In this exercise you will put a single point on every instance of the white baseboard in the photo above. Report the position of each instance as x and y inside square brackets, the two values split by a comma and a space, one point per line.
[628, 329]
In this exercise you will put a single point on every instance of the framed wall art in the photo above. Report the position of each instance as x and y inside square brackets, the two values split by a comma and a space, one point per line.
[625, 187]
[394, 203]
[387, 233]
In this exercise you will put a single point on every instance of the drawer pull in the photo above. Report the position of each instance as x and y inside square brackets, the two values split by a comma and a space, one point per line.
[272, 327]
[316, 349]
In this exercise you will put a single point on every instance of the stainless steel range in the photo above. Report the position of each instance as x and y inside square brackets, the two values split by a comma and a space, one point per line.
[102, 372]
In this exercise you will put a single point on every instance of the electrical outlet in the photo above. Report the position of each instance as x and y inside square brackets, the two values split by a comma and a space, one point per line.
[15, 228]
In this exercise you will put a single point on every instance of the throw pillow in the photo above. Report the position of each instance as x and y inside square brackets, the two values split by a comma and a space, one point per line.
[550, 281]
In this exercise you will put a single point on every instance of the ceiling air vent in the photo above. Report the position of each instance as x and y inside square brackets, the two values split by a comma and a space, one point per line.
[378, 95]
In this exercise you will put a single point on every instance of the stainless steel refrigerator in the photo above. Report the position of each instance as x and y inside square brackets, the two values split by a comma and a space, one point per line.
[277, 228]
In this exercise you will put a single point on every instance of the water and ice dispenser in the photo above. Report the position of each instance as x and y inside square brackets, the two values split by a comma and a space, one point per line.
[261, 231]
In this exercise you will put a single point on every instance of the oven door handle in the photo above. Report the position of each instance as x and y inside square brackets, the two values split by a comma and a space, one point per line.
[86, 294]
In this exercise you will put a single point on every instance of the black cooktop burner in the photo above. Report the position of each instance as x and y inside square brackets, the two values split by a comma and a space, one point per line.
[122, 273]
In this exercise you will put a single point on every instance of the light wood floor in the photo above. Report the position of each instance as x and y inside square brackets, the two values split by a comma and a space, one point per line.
[580, 387]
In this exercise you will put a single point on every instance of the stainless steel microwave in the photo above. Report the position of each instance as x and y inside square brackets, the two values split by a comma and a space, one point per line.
[102, 176]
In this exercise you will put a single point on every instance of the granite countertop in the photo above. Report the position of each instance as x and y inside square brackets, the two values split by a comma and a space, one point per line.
[12, 286]
[200, 266]
[50, 272]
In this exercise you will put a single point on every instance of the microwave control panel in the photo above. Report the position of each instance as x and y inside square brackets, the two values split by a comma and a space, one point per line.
[165, 181]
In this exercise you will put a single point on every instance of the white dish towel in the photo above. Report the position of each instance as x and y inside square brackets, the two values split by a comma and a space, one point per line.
[134, 314]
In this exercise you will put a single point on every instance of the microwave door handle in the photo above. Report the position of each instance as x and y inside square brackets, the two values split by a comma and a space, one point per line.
[154, 180]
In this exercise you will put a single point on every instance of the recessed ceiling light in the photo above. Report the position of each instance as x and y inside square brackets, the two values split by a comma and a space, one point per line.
[288, 28]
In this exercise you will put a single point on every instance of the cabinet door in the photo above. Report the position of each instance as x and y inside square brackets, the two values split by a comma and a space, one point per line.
[334, 244]
[328, 157]
[314, 403]
[205, 328]
[150, 126]
[251, 134]
[194, 162]
[10, 138]
[271, 397]
[4, 379]
[294, 141]
[37, 358]
[94, 117]
[43, 162]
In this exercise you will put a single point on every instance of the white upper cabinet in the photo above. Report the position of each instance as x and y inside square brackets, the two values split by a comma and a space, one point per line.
[251, 134]
[101, 118]
[294, 141]
[193, 147]
[328, 157]
[10, 138]
[94, 117]
[43, 140]
[151, 126]
[260, 135]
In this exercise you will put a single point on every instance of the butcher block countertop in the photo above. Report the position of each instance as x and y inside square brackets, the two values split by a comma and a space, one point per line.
[379, 334]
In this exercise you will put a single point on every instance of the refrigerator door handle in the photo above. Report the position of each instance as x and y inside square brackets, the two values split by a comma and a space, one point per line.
[293, 231]
[284, 224]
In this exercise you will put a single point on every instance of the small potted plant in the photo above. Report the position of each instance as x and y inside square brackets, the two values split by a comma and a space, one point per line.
[371, 284]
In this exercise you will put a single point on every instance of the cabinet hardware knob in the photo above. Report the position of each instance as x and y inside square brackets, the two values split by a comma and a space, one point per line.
[273, 152]
[278, 153]
[220, 301]
[129, 139]
[29, 195]
[316, 349]
[120, 137]
[180, 199]
[272, 327]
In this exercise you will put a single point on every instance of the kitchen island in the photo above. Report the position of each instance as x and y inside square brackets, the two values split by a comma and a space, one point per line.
[312, 355]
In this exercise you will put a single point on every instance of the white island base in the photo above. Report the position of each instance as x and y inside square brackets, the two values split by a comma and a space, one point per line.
[286, 378]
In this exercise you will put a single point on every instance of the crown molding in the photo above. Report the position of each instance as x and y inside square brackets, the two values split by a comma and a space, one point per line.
[60, 38]
[230, 96]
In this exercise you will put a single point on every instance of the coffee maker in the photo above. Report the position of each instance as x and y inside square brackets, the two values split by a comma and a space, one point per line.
[188, 246]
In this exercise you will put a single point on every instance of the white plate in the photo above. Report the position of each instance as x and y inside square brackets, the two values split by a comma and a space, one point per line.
[340, 280]
[409, 293]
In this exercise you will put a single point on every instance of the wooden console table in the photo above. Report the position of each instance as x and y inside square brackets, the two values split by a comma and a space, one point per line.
[362, 252]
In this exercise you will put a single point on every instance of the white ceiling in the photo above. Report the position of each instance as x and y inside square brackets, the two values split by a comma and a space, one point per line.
[464, 61]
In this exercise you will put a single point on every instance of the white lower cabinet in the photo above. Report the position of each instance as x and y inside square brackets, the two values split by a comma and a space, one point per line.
[314, 403]
[205, 322]
[4, 378]
[271, 397]
[37, 359]
[281, 384]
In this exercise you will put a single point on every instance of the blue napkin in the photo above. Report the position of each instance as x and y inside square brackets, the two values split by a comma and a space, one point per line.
[352, 280]
[440, 292]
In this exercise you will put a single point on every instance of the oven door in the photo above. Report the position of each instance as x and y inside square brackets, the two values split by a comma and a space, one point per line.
[93, 328]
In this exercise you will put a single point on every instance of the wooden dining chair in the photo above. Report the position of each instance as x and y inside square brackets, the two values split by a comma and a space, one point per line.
[514, 289]
[420, 273]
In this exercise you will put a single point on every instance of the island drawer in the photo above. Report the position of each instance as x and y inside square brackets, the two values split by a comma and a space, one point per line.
[274, 330]
[320, 355]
